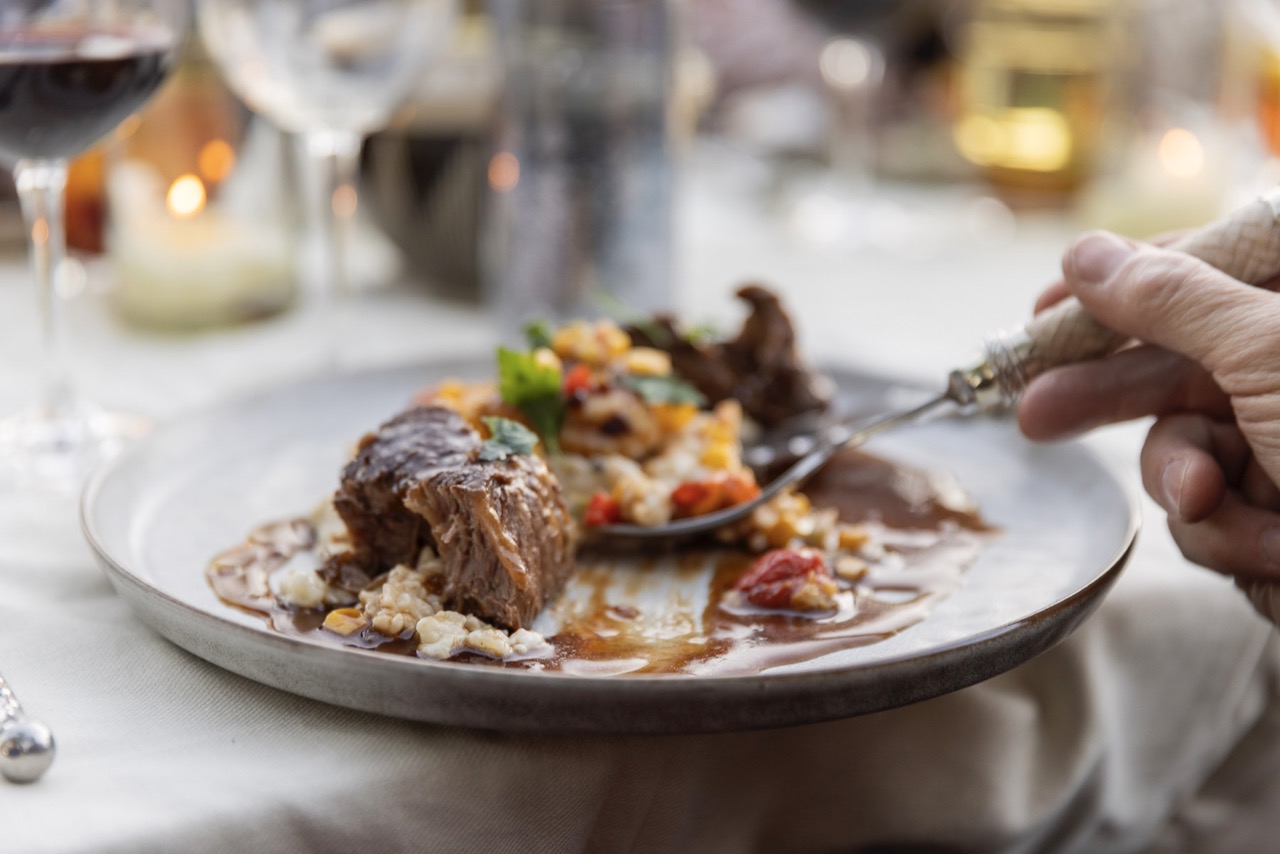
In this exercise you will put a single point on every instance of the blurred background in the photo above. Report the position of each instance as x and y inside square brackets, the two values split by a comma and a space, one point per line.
[541, 160]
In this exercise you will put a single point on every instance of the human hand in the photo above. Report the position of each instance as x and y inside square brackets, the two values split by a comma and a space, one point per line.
[1209, 371]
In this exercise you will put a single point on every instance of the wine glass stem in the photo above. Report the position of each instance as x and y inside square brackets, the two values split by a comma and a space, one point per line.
[41, 184]
[332, 160]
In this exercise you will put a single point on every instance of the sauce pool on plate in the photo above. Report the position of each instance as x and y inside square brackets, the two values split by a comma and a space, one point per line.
[674, 613]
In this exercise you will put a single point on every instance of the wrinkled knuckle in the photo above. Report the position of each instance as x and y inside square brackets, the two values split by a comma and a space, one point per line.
[1149, 278]
[1245, 357]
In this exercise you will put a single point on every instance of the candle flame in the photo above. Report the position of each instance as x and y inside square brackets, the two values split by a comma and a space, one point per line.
[1036, 139]
[186, 197]
[216, 160]
[1181, 153]
[847, 64]
[504, 171]
[344, 202]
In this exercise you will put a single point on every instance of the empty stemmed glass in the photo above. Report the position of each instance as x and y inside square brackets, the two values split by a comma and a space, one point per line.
[70, 71]
[329, 71]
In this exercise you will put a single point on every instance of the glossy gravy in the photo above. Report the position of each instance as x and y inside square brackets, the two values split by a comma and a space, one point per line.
[666, 614]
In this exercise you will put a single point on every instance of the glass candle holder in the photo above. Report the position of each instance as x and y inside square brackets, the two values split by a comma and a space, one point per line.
[1037, 79]
[199, 234]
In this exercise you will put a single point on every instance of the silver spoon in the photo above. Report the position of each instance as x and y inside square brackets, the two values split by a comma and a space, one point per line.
[26, 746]
[1244, 244]
[836, 439]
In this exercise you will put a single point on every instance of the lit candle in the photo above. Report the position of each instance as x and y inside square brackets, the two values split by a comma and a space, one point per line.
[1170, 181]
[180, 261]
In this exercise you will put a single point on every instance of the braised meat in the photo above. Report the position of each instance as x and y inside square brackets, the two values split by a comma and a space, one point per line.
[501, 527]
[402, 453]
[761, 367]
[504, 534]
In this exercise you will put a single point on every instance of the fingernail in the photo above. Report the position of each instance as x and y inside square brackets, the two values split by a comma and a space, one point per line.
[1271, 546]
[1096, 257]
[1171, 482]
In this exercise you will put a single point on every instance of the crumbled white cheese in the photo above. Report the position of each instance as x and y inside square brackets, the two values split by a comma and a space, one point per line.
[399, 603]
[302, 587]
[524, 642]
[447, 633]
[488, 641]
[441, 635]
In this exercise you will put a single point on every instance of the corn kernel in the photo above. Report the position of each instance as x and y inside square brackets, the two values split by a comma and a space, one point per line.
[613, 340]
[447, 390]
[717, 456]
[729, 413]
[673, 417]
[345, 621]
[646, 361]
[852, 536]
[779, 535]
[717, 432]
[817, 594]
[850, 568]
[574, 341]
[544, 357]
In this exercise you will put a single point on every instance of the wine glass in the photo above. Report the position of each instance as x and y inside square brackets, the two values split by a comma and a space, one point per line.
[330, 72]
[70, 71]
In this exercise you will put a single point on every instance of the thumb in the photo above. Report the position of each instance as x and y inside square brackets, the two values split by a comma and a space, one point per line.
[1173, 300]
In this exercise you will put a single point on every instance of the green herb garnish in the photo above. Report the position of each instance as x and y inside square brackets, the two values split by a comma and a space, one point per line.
[701, 333]
[506, 437]
[538, 334]
[668, 389]
[534, 389]
[644, 323]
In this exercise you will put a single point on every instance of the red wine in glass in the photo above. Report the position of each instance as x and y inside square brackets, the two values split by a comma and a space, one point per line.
[60, 93]
[68, 76]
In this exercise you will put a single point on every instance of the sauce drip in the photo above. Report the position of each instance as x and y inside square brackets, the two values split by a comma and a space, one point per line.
[668, 614]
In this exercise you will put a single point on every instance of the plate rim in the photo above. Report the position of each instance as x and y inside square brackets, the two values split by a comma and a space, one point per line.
[1072, 608]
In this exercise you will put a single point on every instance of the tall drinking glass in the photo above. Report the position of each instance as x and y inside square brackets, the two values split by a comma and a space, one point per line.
[583, 174]
[70, 71]
[329, 71]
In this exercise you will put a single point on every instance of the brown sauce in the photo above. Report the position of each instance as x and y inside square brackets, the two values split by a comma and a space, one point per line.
[929, 531]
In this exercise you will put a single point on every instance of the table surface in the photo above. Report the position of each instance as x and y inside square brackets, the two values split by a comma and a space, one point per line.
[1114, 740]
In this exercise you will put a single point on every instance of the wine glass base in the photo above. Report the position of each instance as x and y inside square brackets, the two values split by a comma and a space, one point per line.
[55, 450]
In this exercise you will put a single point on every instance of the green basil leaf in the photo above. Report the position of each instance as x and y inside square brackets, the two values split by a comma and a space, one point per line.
[668, 389]
[506, 437]
[537, 333]
[534, 389]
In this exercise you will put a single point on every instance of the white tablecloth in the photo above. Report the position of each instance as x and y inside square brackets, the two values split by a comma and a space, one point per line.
[1154, 727]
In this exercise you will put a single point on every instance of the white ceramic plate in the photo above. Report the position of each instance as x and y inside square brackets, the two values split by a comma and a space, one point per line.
[198, 484]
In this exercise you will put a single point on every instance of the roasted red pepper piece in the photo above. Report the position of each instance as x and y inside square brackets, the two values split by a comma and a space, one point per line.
[777, 576]
[578, 381]
[603, 509]
[699, 497]
[690, 495]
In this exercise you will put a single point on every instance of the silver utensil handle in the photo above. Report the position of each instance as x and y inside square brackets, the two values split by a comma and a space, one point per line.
[1244, 244]
[27, 747]
[10, 708]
